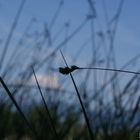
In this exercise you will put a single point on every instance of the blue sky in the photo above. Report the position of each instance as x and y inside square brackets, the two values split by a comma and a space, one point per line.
[127, 42]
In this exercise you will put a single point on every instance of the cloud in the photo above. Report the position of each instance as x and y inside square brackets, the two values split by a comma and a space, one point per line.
[49, 81]
[45, 81]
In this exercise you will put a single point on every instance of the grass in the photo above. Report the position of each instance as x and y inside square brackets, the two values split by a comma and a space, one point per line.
[79, 132]
[18, 108]
[46, 107]
[68, 70]
[79, 97]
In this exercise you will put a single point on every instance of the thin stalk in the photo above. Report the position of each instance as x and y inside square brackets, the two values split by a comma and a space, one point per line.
[46, 107]
[81, 103]
[11, 32]
[18, 108]
[113, 70]
[68, 70]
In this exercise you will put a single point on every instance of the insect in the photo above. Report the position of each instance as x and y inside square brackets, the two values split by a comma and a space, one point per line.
[67, 70]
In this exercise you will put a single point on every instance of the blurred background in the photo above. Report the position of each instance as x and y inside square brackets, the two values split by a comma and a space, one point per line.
[90, 33]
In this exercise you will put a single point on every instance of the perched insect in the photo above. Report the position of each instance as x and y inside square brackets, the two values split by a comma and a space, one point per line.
[67, 70]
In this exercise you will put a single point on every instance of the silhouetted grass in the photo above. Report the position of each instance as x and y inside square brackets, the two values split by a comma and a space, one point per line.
[107, 130]
[18, 108]
[68, 70]
[46, 107]
[80, 100]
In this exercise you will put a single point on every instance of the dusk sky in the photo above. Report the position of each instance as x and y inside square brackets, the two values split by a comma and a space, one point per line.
[127, 42]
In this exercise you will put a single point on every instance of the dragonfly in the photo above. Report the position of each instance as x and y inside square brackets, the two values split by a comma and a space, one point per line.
[67, 70]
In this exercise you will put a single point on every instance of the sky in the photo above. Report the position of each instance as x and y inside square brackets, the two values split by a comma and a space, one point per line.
[74, 11]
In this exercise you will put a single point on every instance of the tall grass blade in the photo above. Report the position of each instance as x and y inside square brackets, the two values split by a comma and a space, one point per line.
[18, 108]
[46, 107]
[80, 100]
[68, 70]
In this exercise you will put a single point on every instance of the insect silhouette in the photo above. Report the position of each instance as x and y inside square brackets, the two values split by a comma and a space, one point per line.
[67, 70]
